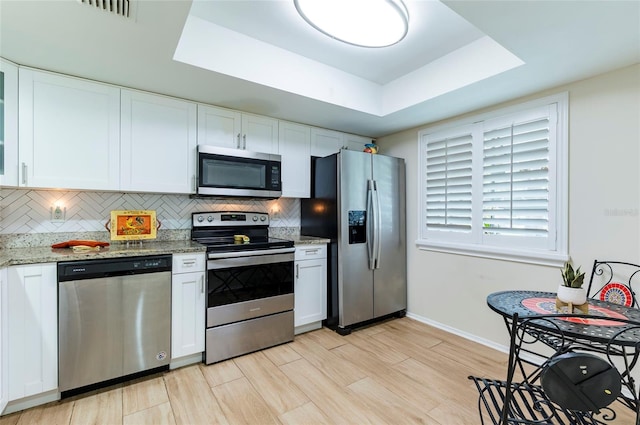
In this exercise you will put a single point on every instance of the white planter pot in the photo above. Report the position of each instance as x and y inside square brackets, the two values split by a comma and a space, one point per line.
[575, 296]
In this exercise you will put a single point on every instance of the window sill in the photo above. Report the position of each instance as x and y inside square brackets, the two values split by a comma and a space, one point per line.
[542, 258]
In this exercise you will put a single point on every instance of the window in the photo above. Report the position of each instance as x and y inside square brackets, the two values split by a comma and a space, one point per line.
[495, 185]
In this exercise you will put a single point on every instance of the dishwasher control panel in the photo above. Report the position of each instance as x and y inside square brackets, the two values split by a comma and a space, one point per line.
[88, 269]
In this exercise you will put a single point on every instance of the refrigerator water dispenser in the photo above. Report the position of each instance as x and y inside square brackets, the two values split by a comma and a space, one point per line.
[357, 227]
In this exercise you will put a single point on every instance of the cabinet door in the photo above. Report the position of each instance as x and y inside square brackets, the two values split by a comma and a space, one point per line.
[33, 330]
[187, 314]
[311, 291]
[219, 127]
[158, 143]
[259, 134]
[294, 143]
[354, 142]
[325, 142]
[4, 347]
[69, 132]
[8, 124]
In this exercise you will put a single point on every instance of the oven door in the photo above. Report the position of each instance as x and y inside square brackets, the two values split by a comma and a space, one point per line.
[244, 285]
[233, 172]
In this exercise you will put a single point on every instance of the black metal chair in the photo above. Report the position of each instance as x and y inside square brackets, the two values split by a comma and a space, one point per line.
[615, 281]
[578, 384]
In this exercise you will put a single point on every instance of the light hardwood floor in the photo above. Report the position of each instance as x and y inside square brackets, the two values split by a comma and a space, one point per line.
[397, 372]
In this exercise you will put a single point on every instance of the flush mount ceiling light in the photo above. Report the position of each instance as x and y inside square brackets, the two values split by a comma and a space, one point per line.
[366, 23]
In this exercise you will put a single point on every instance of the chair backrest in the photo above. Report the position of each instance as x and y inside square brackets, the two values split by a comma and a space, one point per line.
[615, 281]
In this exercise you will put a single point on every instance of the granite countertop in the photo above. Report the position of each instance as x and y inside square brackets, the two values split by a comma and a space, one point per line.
[307, 240]
[46, 254]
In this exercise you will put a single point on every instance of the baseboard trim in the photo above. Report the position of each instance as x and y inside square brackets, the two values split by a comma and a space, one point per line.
[537, 360]
[458, 332]
[27, 402]
[185, 361]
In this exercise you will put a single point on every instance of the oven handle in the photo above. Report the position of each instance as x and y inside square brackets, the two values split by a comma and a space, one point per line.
[255, 253]
[255, 260]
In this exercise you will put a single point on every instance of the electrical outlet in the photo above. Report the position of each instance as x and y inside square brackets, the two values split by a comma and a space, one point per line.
[58, 214]
[274, 215]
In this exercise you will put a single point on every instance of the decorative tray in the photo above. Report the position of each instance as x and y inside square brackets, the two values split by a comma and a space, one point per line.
[132, 225]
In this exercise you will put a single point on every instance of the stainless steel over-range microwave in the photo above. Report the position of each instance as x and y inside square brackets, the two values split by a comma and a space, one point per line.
[238, 173]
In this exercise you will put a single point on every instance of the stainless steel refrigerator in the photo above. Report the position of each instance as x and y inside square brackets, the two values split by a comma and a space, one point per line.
[358, 202]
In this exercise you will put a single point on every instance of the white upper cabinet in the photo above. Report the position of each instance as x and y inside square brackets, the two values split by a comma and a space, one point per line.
[325, 142]
[69, 132]
[8, 124]
[219, 127]
[259, 134]
[295, 144]
[232, 129]
[353, 142]
[158, 141]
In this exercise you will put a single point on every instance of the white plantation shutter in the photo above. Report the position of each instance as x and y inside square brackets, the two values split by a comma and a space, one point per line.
[496, 184]
[515, 177]
[448, 181]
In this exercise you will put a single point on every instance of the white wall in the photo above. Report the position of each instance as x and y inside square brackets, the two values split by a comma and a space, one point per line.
[604, 209]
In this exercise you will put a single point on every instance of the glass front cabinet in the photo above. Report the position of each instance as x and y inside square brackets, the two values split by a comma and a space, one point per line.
[8, 123]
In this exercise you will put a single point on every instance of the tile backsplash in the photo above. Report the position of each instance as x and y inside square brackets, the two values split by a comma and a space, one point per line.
[24, 211]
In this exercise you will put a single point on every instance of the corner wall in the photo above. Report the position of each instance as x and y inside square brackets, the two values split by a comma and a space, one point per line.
[604, 209]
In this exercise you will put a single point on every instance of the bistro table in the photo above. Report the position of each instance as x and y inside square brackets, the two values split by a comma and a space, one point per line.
[609, 329]
[592, 327]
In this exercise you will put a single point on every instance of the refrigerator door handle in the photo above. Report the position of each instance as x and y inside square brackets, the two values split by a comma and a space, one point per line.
[378, 226]
[370, 225]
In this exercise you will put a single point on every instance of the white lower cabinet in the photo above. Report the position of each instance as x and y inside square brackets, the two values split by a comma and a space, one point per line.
[4, 382]
[310, 287]
[32, 321]
[188, 304]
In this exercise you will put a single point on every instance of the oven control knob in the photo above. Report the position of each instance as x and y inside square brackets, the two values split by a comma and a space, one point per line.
[263, 218]
[200, 219]
[210, 218]
[255, 218]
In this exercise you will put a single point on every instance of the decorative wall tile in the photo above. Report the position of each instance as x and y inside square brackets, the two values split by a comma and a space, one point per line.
[28, 211]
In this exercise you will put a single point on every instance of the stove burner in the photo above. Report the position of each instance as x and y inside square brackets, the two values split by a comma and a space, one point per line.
[216, 230]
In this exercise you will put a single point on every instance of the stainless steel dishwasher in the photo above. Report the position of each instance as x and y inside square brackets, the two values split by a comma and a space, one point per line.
[114, 319]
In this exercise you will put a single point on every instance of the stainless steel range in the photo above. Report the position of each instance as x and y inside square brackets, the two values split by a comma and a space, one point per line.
[249, 283]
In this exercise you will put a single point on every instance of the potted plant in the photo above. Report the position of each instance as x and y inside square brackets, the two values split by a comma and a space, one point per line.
[571, 292]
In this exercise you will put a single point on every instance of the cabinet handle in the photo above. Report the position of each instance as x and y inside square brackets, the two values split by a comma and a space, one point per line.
[297, 271]
[202, 284]
[311, 251]
[238, 141]
[244, 141]
[188, 263]
[24, 173]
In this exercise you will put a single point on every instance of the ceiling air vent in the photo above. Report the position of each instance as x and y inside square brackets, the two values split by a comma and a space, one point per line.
[116, 7]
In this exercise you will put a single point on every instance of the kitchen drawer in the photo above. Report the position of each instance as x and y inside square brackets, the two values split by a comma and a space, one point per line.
[186, 263]
[310, 252]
